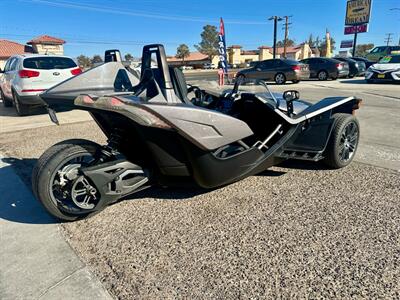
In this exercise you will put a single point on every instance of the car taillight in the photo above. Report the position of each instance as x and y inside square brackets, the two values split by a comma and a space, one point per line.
[76, 71]
[28, 73]
[339, 66]
[296, 68]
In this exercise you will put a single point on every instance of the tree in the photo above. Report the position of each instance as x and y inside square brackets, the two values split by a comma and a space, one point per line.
[182, 52]
[314, 42]
[128, 57]
[362, 49]
[96, 59]
[289, 43]
[84, 61]
[209, 41]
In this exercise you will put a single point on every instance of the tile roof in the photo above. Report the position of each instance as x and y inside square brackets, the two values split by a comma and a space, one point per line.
[193, 56]
[46, 39]
[9, 48]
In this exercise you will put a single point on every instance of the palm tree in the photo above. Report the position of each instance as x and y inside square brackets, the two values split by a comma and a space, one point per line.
[182, 52]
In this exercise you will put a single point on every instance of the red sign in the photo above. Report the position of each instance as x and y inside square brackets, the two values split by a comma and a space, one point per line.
[358, 28]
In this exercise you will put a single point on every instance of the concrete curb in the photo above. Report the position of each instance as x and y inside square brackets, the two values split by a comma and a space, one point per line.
[36, 261]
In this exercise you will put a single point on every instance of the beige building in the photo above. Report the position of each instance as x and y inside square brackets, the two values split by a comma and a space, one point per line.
[47, 45]
[237, 56]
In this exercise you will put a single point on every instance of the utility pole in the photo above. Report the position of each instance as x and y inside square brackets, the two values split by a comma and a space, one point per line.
[276, 19]
[286, 34]
[354, 43]
[388, 38]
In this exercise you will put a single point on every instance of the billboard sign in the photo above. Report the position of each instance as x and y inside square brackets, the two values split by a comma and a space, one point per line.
[346, 44]
[358, 12]
[356, 29]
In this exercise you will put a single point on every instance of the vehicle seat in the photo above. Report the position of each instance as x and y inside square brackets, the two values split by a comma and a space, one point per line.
[179, 84]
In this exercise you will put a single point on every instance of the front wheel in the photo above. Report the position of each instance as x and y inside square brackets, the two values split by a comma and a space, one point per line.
[60, 186]
[343, 142]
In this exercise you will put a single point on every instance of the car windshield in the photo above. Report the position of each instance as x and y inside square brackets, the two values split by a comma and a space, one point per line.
[390, 60]
[378, 49]
[49, 63]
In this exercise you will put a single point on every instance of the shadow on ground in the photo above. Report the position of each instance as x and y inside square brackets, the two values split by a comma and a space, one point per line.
[17, 204]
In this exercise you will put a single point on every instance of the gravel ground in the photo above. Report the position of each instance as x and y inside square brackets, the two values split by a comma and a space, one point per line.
[288, 233]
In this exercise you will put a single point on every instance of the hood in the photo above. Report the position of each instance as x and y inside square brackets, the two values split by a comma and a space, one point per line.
[385, 67]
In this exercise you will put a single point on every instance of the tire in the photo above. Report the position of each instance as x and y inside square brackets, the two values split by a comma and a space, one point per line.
[6, 102]
[46, 170]
[295, 81]
[280, 78]
[343, 141]
[322, 75]
[242, 78]
[21, 109]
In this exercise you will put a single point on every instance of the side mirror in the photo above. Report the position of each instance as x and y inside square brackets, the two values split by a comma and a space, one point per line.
[291, 95]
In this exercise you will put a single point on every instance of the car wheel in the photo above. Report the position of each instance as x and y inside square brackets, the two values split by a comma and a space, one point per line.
[21, 109]
[322, 75]
[63, 196]
[242, 79]
[6, 102]
[280, 78]
[343, 142]
[351, 76]
[295, 81]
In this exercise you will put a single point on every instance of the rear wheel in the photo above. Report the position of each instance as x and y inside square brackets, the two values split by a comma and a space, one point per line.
[322, 75]
[6, 102]
[60, 186]
[280, 78]
[21, 109]
[343, 142]
[295, 81]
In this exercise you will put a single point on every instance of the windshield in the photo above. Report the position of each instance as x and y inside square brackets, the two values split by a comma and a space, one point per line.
[49, 63]
[378, 49]
[390, 60]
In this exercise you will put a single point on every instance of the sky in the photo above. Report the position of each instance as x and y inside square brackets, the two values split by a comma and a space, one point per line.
[90, 27]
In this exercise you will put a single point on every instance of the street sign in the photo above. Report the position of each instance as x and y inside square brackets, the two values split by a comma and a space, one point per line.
[346, 44]
[356, 29]
[358, 12]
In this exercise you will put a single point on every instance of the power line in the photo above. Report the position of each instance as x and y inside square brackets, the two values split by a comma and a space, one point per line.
[136, 13]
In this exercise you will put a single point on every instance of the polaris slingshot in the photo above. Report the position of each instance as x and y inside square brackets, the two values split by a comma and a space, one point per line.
[158, 135]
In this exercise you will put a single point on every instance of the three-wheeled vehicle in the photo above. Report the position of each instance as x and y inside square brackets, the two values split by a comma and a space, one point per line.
[159, 134]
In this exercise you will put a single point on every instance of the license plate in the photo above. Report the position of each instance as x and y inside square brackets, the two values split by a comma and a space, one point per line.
[53, 116]
[381, 75]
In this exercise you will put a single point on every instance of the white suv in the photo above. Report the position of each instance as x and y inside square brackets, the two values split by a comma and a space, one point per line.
[26, 76]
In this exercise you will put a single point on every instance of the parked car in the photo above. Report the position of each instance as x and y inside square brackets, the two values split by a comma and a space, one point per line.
[356, 68]
[387, 69]
[381, 51]
[326, 68]
[209, 66]
[367, 62]
[26, 76]
[278, 70]
[187, 68]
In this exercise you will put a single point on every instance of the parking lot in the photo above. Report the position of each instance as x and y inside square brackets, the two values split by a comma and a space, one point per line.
[297, 230]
